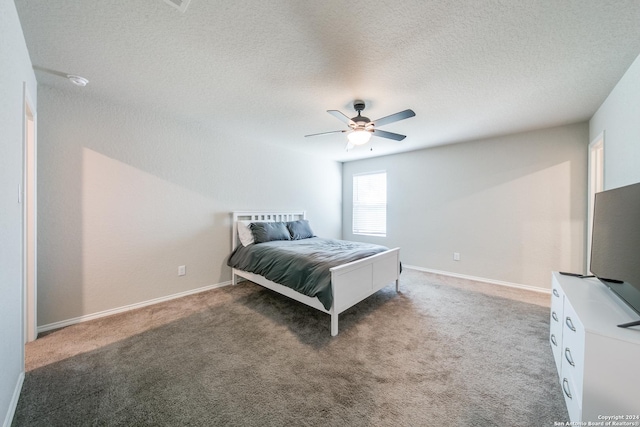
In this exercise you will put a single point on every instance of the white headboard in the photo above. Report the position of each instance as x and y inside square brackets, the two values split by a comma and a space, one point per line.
[261, 216]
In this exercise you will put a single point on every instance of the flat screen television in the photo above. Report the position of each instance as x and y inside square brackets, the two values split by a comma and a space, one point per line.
[615, 243]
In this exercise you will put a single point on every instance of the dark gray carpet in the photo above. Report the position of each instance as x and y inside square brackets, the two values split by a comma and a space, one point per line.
[432, 355]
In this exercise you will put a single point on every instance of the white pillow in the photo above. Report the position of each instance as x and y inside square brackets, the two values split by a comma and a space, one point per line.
[244, 232]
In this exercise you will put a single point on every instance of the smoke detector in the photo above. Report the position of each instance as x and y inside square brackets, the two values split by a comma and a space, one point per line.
[181, 5]
[77, 80]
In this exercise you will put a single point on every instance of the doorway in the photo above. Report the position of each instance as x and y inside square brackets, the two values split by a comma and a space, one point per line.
[596, 184]
[29, 223]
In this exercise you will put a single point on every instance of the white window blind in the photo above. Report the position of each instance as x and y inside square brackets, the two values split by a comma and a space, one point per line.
[370, 204]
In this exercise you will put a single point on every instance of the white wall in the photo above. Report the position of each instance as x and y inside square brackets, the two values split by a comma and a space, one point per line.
[14, 71]
[619, 118]
[513, 207]
[125, 196]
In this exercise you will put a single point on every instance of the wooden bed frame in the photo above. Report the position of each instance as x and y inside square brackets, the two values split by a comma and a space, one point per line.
[350, 283]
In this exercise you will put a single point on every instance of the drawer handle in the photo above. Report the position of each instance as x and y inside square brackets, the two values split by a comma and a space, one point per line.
[555, 292]
[554, 316]
[569, 323]
[553, 340]
[565, 388]
[567, 355]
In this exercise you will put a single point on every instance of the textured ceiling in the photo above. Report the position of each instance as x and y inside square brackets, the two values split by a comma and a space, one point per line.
[268, 70]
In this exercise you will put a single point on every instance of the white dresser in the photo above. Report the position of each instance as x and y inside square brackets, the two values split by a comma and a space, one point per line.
[598, 363]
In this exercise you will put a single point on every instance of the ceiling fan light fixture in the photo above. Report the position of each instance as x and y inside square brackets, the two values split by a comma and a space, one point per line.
[359, 137]
[360, 128]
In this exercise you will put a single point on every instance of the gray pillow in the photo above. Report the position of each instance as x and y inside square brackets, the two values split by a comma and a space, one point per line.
[268, 231]
[300, 229]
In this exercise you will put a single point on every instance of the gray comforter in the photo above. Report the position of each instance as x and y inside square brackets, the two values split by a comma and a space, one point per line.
[302, 265]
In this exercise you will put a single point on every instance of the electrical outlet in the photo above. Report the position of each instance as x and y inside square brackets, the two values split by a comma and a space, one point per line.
[456, 256]
[182, 270]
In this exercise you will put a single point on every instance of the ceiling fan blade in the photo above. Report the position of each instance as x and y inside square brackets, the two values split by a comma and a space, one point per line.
[326, 133]
[341, 116]
[389, 135]
[394, 117]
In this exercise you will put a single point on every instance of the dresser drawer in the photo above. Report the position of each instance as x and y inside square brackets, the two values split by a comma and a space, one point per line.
[557, 296]
[555, 340]
[574, 405]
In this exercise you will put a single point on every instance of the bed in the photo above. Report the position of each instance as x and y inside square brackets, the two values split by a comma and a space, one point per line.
[349, 282]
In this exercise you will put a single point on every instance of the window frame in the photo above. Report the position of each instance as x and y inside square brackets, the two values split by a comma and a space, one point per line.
[358, 206]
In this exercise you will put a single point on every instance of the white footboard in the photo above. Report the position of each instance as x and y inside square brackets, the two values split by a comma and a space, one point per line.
[357, 280]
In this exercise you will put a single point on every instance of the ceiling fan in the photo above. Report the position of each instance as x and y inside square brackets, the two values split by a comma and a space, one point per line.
[361, 128]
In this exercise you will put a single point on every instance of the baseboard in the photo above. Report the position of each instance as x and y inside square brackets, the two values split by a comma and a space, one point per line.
[86, 318]
[8, 419]
[479, 279]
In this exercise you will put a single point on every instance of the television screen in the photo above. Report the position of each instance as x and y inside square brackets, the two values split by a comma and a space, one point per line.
[615, 245]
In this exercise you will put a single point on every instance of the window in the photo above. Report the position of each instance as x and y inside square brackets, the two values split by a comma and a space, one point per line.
[370, 204]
